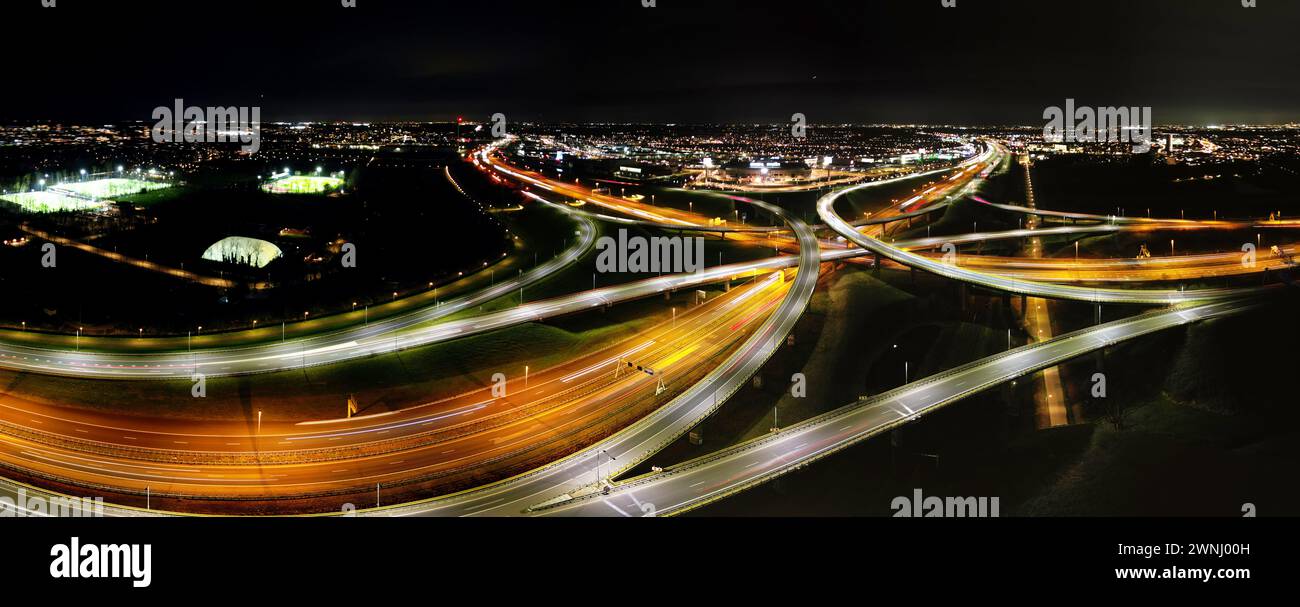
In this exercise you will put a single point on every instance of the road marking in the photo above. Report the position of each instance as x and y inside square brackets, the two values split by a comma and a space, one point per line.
[486, 505]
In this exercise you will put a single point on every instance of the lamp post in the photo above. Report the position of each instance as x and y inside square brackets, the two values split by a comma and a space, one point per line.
[598, 454]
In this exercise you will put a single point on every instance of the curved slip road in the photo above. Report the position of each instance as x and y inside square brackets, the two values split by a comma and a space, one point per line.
[1227, 224]
[379, 337]
[701, 481]
[576, 473]
[826, 209]
[638, 441]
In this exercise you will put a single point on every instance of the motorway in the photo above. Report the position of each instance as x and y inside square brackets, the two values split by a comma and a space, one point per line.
[623, 450]
[409, 330]
[955, 271]
[698, 482]
[439, 440]
[641, 214]
[580, 484]
[574, 475]
[379, 337]
[1121, 219]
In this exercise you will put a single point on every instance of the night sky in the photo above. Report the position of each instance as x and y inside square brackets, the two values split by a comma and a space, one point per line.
[983, 62]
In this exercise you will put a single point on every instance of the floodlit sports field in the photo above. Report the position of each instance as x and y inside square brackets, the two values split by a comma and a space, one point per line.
[51, 202]
[303, 184]
[101, 189]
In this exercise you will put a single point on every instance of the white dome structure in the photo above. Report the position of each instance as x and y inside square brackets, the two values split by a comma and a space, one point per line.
[244, 251]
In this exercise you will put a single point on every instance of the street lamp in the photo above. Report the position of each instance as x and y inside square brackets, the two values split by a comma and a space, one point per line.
[598, 454]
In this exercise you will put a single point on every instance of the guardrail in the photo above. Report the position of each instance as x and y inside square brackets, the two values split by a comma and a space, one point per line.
[890, 395]
[782, 320]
